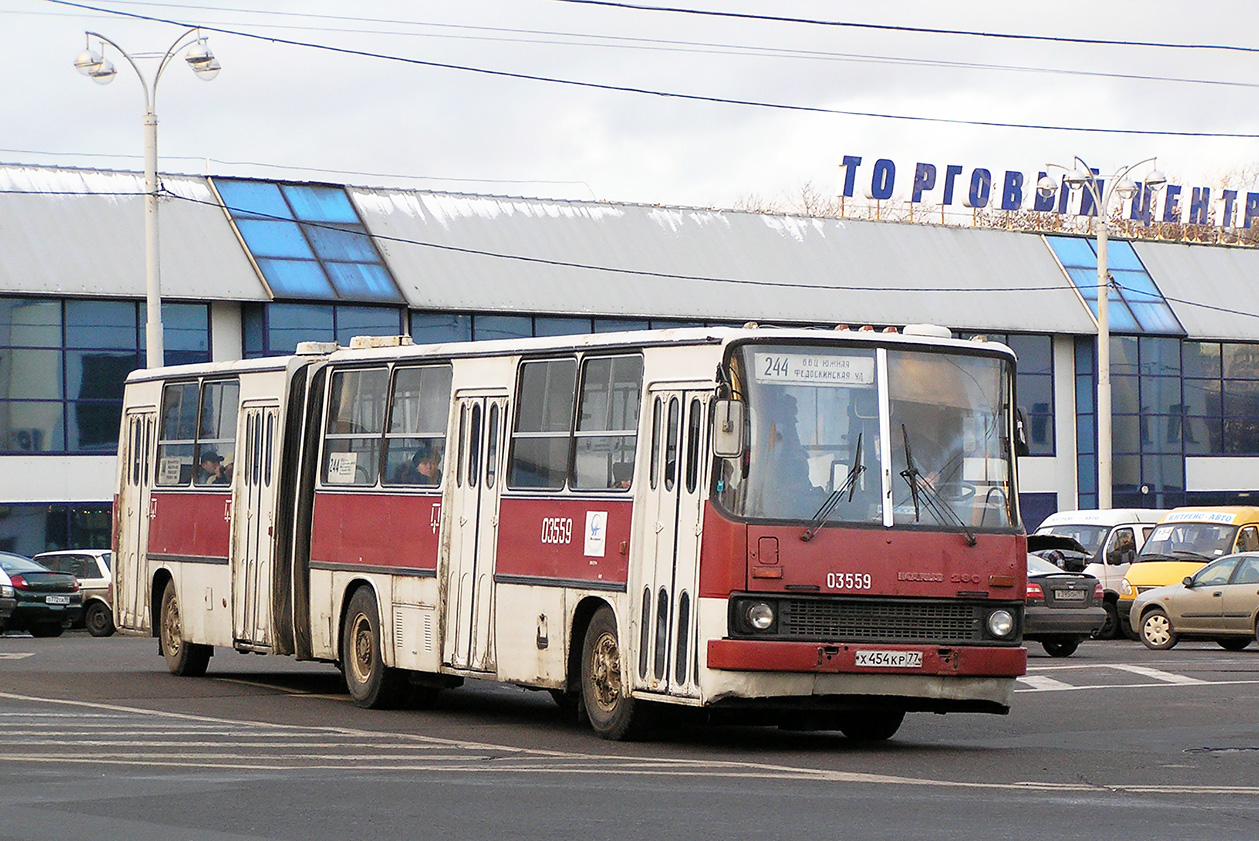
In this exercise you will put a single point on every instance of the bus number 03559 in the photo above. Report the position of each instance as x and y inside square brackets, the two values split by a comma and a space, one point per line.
[557, 530]
[848, 581]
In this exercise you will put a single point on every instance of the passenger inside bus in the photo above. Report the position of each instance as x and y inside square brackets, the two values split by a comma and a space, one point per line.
[212, 471]
[622, 474]
[423, 468]
[784, 465]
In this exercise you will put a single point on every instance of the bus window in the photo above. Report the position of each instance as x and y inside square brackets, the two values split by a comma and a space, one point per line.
[607, 423]
[415, 438]
[216, 432]
[177, 437]
[474, 445]
[655, 443]
[544, 420]
[356, 420]
[491, 448]
[671, 446]
[693, 445]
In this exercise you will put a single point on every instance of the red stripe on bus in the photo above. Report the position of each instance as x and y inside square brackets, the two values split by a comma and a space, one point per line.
[374, 529]
[560, 538]
[188, 523]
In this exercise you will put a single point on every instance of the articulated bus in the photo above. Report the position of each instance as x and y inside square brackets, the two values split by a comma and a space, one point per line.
[816, 529]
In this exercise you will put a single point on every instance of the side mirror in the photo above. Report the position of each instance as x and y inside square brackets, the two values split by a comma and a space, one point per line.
[1188, 582]
[1021, 447]
[728, 428]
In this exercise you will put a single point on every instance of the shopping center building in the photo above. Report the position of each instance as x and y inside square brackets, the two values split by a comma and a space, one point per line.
[252, 267]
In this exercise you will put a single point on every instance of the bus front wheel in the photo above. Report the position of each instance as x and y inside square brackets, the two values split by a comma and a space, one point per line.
[183, 658]
[372, 684]
[871, 725]
[612, 713]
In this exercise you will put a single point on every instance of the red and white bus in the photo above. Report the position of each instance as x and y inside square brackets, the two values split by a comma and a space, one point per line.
[814, 528]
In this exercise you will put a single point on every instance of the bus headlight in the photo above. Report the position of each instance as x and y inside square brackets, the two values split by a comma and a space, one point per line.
[1000, 623]
[1125, 589]
[759, 616]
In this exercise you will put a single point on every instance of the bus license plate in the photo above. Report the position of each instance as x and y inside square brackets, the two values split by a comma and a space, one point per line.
[873, 659]
[57, 600]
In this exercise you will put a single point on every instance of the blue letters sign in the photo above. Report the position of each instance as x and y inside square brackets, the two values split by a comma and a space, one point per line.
[1013, 191]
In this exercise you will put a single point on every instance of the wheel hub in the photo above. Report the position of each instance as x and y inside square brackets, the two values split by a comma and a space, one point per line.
[606, 672]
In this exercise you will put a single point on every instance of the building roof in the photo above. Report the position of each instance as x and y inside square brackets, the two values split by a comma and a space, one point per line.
[1213, 289]
[80, 232]
[452, 251]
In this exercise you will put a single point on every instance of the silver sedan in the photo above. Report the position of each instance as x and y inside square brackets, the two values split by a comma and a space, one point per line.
[1219, 602]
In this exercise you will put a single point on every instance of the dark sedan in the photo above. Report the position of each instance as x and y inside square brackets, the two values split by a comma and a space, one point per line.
[1062, 609]
[45, 602]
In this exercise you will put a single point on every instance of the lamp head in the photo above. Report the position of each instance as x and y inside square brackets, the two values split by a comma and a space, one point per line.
[1077, 178]
[1155, 181]
[202, 61]
[1126, 189]
[1046, 187]
[87, 61]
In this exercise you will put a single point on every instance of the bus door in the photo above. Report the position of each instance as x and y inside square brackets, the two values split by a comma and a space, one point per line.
[664, 594]
[473, 520]
[253, 526]
[131, 592]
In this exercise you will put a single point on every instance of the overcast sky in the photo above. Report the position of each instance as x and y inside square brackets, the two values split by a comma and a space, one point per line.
[374, 121]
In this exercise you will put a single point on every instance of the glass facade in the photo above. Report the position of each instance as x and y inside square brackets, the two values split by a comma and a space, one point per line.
[1136, 304]
[33, 527]
[436, 327]
[308, 241]
[276, 329]
[63, 363]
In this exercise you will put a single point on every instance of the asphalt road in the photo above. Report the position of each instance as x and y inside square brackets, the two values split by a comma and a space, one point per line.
[98, 741]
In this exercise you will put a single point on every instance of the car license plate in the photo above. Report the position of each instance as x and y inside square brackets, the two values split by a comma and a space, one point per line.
[873, 659]
[1069, 595]
[57, 599]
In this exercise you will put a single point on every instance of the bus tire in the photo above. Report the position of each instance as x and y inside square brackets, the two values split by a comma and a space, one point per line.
[183, 658]
[871, 725]
[612, 713]
[372, 684]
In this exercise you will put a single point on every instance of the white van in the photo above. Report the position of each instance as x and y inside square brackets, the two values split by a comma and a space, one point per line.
[1112, 538]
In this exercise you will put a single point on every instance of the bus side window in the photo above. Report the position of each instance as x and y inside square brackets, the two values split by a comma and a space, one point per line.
[415, 437]
[606, 439]
[540, 443]
[356, 421]
[1248, 539]
[177, 437]
[656, 417]
[671, 446]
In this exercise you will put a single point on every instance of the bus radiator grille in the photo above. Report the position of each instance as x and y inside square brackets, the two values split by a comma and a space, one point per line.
[851, 620]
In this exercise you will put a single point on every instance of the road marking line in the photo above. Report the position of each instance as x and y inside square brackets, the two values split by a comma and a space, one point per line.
[14, 655]
[1044, 684]
[1157, 674]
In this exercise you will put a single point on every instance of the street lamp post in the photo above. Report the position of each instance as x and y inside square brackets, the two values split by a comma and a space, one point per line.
[1081, 177]
[101, 70]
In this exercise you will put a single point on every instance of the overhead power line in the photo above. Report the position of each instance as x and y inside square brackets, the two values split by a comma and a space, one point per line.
[811, 109]
[549, 37]
[884, 27]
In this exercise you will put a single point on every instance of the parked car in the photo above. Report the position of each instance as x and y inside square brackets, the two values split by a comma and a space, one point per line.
[45, 602]
[1185, 541]
[92, 568]
[1219, 602]
[7, 601]
[1110, 540]
[1062, 609]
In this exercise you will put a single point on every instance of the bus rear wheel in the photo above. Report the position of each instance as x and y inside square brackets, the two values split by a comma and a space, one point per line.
[612, 713]
[372, 684]
[183, 658]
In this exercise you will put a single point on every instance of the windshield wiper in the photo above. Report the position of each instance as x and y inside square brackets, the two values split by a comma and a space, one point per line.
[924, 493]
[850, 485]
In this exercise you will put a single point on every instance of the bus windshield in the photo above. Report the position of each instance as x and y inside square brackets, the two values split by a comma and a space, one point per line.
[817, 421]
